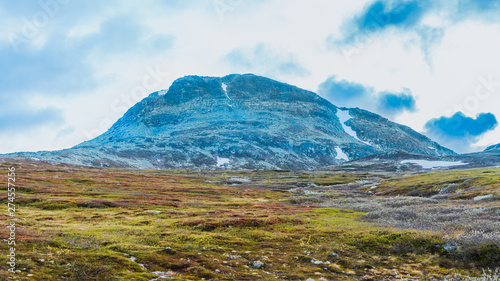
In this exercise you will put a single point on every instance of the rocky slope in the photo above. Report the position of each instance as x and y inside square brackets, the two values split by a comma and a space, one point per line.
[241, 122]
[493, 148]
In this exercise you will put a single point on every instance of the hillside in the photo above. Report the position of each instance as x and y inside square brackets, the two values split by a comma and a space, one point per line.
[241, 122]
[493, 148]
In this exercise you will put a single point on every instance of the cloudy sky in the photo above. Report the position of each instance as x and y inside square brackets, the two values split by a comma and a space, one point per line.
[69, 69]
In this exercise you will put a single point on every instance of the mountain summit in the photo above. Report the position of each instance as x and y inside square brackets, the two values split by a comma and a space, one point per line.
[241, 122]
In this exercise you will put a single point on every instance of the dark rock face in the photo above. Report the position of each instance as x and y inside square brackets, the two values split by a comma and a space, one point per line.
[493, 148]
[388, 136]
[241, 122]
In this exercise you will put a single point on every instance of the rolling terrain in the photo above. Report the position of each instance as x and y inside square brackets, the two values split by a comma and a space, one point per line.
[88, 223]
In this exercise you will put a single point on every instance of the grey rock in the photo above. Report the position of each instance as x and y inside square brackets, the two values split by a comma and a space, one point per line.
[257, 264]
[479, 198]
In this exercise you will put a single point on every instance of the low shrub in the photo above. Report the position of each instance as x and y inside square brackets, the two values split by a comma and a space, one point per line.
[489, 275]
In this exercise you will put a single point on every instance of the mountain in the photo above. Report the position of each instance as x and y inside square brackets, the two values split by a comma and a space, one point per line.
[493, 148]
[241, 122]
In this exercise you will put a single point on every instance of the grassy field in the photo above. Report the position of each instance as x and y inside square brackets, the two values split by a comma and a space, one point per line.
[78, 223]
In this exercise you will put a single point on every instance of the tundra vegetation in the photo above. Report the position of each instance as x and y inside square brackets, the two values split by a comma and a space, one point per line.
[81, 223]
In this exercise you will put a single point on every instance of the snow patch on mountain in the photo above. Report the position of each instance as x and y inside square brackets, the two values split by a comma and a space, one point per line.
[162, 92]
[426, 164]
[222, 161]
[224, 88]
[344, 116]
[340, 154]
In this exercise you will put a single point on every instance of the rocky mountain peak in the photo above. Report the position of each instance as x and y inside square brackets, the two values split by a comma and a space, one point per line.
[242, 122]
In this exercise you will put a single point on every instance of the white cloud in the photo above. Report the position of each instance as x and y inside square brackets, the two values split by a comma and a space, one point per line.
[392, 60]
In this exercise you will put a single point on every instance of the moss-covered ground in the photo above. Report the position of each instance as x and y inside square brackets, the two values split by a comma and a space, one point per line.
[78, 223]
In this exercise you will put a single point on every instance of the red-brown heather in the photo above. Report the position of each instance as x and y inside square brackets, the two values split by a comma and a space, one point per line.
[83, 223]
